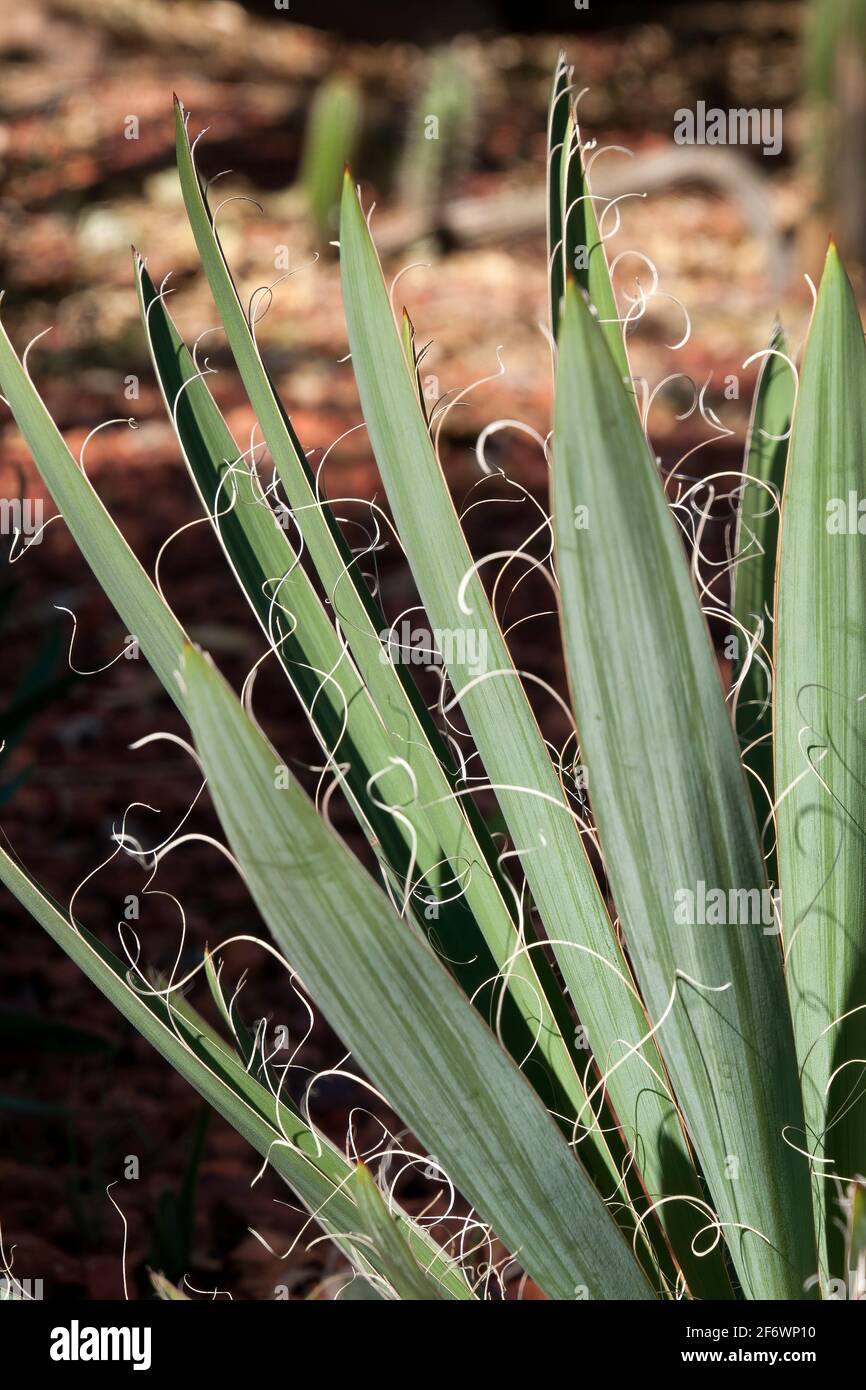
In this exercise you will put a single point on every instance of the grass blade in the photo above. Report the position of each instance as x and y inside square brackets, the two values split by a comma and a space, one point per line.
[670, 801]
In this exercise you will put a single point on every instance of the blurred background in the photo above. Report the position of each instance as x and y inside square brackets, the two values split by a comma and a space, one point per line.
[86, 163]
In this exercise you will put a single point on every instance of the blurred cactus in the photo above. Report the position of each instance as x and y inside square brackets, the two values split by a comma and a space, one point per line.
[836, 82]
[331, 137]
[441, 132]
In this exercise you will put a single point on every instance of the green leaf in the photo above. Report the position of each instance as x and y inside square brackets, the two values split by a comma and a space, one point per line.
[673, 812]
[165, 1289]
[161, 637]
[821, 744]
[408, 1025]
[574, 238]
[407, 1278]
[282, 597]
[529, 793]
[244, 1040]
[753, 578]
[855, 1259]
[558, 126]
[407, 337]
[460, 846]
[308, 1162]
[355, 737]
[114, 566]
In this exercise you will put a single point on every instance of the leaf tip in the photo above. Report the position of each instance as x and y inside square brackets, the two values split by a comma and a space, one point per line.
[191, 653]
[572, 294]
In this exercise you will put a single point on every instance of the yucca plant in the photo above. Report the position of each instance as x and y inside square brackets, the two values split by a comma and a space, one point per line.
[709, 1140]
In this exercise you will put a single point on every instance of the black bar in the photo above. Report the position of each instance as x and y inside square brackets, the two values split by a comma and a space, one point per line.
[228, 1338]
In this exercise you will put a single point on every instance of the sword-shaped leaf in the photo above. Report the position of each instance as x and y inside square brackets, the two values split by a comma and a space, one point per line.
[405, 1275]
[520, 770]
[753, 579]
[558, 120]
[103, 546]
[674, 816]
[576, 235]
[821, 745]
[408, 1025]
[315, 1170]
[307, 645]
[427, 787]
